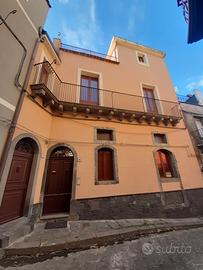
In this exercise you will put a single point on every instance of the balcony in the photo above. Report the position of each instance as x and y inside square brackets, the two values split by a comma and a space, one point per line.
[88, 101]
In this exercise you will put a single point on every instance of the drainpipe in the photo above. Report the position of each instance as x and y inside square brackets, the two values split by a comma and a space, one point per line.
[17, 83]
[21, 97]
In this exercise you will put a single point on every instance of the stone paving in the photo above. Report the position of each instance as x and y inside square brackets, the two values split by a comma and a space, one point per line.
[79, 231]
[179, 250]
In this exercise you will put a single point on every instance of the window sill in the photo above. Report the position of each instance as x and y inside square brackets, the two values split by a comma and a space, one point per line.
[143, 64]
[105, 142]
[169, 179]
[161, 144]
[104, 182]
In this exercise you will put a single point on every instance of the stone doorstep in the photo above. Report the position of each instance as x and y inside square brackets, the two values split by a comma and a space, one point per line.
[94, 240]
[13, 230]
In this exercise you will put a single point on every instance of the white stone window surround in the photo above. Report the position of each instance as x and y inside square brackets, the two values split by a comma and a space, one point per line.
[82, 71]
[156, 95]
[146, 60]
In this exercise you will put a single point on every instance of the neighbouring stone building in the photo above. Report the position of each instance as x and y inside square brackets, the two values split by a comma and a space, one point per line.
[21, 22]
[101, 137]
[192, 109]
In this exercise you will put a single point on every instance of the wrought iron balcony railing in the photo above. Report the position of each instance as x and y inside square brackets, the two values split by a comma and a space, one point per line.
[48, 84]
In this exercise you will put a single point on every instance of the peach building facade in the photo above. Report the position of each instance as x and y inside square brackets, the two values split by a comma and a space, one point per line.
[106, 135]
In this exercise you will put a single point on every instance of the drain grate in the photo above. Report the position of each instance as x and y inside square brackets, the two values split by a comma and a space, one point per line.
[58, 224]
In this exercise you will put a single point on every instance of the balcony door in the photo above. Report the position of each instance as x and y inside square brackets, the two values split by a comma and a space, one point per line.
[150, 101]
[89, 90]
[44, 73]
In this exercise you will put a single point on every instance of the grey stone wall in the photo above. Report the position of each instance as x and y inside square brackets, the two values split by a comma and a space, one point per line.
[140, 206]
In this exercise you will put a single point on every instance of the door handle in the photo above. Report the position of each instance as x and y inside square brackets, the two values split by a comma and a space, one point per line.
[53, 172]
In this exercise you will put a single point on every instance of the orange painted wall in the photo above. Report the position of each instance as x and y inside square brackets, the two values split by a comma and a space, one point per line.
[134, 144]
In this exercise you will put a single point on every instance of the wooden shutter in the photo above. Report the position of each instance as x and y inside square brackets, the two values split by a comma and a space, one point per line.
[105, 164]
[44, 75]
[163, 161]
[150, 101]
[89, 90]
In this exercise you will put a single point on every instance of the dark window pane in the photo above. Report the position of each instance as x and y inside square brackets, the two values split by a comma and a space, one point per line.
[94, 83]
[141, 59]
[160, 138]
[104, 135]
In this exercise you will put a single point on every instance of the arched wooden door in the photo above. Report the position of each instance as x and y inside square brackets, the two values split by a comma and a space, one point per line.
[13, 201]
[58, 187]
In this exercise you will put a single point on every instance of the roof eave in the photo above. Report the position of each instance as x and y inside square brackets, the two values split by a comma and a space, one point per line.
[117, 40]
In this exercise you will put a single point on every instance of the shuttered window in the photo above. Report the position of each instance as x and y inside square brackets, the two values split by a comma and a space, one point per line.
[160, 138]
[89, 90]
[150, 101]
[104, 135]
[105, 164]
[44, 74]
[165, 164]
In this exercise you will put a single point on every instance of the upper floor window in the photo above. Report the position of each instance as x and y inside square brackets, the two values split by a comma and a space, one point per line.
[142, 58]
[105, 135]
[166, 164]
[150, 101]
[160, 138]
[89, 90]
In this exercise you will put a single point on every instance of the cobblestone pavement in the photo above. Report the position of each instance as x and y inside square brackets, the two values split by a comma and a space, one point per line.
[170, 251]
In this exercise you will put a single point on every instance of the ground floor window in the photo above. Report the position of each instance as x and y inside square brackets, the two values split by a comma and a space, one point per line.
[166, 164]
[106, 164]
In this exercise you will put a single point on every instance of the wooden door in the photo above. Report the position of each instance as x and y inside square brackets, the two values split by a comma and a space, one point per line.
[58, 186]
[13, 201]
[89, 90]
[150, 101]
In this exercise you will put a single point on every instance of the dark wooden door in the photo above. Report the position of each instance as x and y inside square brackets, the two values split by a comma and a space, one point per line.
[150, 101]
[58, 186]
[89, 90]
[13, 201]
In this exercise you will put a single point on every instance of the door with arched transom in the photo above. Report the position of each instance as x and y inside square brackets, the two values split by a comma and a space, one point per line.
[13, 202]
[58, 187]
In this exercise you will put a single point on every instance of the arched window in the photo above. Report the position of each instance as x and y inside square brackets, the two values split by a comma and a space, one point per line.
[166, 164]
[106, 170]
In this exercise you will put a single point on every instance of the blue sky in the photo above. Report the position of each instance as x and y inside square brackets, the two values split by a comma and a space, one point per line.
[156, 23]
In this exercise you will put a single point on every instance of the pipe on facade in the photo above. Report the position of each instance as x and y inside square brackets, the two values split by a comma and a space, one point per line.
[9, 138]
[17, 83]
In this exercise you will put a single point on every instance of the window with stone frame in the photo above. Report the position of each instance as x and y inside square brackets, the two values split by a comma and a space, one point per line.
[104, 134]
[160, 138]
[106, 170]
[165, 163]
